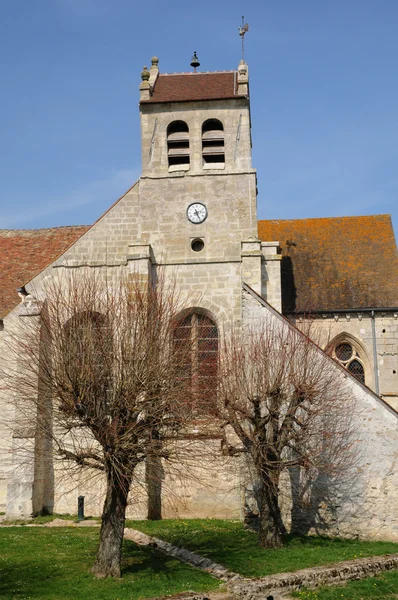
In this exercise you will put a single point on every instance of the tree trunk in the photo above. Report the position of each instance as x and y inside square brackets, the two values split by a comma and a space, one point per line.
[154, 476]
[271, 524]
[109, 555]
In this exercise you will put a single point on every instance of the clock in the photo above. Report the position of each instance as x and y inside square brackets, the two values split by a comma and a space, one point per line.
[197, 212]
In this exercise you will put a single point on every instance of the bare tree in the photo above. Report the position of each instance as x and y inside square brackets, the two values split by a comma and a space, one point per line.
[99, 373]
[290, 408]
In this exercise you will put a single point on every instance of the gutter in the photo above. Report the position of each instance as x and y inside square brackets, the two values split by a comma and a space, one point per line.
[342, 311]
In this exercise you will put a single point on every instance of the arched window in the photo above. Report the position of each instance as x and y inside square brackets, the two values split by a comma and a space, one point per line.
[197, 335]
[86, 359]
[213, 143]
[178, 143]
[348, 356]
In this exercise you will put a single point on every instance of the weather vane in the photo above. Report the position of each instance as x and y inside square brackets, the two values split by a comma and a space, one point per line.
[244, 28]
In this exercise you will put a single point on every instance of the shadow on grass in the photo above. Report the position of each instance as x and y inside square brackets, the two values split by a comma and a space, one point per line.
[23, 581]
[228, 543]
[153, 561]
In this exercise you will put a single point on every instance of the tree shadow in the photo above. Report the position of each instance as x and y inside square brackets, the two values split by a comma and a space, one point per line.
[311, 501]
[154, 560]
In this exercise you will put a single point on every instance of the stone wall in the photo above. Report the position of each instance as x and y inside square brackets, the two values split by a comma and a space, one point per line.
[367, 504]
[233, 114]
[339, 573]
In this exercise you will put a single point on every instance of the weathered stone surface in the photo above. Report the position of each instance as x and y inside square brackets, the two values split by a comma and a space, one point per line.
[314, 577]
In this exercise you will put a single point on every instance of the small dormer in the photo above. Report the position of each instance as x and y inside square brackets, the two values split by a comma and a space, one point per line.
[195, 123]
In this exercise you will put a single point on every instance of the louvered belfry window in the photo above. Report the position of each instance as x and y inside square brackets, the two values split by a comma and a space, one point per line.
[199, 334]
[348, 356]
[178, 143]
[213, 142]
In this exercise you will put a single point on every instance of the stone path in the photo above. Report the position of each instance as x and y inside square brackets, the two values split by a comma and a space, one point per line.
[205, 564]
[53, 523]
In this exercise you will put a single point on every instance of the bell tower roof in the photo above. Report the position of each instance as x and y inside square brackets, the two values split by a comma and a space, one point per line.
[190, 87]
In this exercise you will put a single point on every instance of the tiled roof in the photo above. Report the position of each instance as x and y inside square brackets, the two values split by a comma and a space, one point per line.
[184, 87]
[336, 263]
[26, 252]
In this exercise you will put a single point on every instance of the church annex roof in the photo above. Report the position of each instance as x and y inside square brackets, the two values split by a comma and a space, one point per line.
[336, 263]
[187, 87]
[26, 252]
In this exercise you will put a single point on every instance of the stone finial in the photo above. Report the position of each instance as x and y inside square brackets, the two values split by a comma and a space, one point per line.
[154, 71]
[243, 79]
[242, 68]
[145, 74]
[145, 88]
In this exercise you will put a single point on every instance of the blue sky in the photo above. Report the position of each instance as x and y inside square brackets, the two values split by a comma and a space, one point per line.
[324, 98]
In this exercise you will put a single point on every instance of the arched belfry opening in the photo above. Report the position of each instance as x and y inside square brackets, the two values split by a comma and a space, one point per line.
[178, 143]
[213, 150]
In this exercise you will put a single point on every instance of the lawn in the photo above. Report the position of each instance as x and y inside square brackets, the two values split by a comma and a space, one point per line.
[54, 564]
[228, 543]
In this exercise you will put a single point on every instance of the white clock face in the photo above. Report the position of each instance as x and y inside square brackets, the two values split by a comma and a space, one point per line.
[196, 212]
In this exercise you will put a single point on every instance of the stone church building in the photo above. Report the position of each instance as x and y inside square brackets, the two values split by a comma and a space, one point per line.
[193, 212]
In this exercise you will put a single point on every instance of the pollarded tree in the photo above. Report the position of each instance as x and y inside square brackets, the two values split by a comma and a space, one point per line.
[290, 407]
[111, 393]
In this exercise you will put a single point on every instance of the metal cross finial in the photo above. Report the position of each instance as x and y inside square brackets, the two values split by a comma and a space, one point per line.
[244, 28]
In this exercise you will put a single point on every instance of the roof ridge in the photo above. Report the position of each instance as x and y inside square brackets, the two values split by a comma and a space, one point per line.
[199, 73]
[55, 228]
[327, 218]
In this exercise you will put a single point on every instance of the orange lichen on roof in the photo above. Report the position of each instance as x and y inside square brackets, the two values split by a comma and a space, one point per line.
[188, 87]
[26, 252]
[336, 263]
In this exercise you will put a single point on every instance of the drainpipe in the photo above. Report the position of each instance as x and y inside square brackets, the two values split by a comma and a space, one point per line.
[375, 365]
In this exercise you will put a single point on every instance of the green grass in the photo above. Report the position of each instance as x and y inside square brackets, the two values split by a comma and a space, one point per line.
[228, 543]
[54, 564]
[383, 586]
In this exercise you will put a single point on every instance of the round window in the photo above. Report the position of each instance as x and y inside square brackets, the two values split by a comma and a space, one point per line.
[344, 351]
[197, 245]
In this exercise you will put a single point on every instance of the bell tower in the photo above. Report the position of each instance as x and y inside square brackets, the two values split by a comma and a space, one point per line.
[195, 122]
[197, 191]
